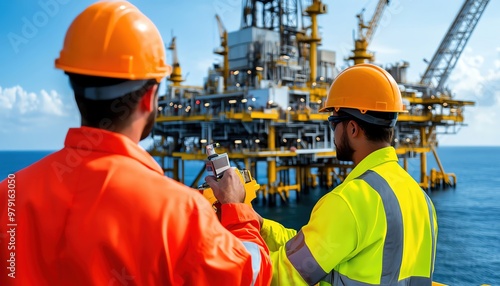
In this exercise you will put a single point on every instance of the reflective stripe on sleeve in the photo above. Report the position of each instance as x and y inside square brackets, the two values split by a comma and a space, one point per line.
[338, 279]
[431, 220]
[302, 259]
[393, 245]
[254, 251]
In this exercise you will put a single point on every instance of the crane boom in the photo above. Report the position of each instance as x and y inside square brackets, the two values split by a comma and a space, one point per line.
[365, 34]
[223, 50]
[452, 45]
[372, 26]
[221, 27]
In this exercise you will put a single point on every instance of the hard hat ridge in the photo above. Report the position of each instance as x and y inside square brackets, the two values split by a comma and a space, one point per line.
[114, 39]
[364, 87]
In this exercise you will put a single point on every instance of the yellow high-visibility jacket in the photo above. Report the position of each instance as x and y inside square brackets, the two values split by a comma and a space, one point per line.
[377, 228]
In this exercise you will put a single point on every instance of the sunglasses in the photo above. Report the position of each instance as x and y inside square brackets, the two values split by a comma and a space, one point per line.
[334, 120]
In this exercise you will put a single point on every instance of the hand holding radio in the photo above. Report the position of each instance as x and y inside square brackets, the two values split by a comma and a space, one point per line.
[226, 184]
[229, 188]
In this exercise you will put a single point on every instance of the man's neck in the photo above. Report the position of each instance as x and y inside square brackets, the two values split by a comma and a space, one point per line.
[366, 150]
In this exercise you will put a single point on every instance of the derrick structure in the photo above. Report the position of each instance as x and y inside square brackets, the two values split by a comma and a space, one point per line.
[432, 108]
[261, 105]
[452, 45]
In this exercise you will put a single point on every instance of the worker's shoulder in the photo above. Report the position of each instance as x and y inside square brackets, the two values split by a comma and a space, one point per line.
[35, 169]
[135, 173]
[354, 189]
[134, 177]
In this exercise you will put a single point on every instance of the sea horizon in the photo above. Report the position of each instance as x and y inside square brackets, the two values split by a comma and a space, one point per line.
[468, 251]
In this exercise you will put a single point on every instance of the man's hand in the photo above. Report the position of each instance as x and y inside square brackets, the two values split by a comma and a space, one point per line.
[229, 189]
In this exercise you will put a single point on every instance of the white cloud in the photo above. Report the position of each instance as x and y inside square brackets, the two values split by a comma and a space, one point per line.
[15, 101]
[30, 120]
[472, 81]
[52, 103]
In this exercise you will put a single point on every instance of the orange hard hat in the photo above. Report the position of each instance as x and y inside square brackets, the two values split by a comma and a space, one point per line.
[114, 39]
[364, 87]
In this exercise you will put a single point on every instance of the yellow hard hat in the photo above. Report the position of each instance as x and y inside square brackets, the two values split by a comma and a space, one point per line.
[364, 87]
[114, 39]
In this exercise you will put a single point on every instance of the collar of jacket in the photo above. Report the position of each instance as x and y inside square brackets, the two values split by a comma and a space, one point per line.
[375, 158]
[88, 139]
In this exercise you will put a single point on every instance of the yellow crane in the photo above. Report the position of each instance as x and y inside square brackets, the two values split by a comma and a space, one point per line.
[223, 50]
[365, 34]
[315, 9]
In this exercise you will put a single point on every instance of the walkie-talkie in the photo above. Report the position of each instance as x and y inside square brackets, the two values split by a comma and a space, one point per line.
[217, 164]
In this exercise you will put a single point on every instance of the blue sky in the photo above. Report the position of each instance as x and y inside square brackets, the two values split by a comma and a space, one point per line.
[37, 107]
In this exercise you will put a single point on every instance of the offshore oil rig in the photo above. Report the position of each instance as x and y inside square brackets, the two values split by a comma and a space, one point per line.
[261, 103]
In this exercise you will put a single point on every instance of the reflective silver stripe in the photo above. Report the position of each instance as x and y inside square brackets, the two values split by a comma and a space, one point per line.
[393, 246]
[254, 251]
[113, 91]
[431, 219]
[342, 280]
[302, 259]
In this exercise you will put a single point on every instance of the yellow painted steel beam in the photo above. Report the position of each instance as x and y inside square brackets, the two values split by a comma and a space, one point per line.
[157, 153]
[234, 115]
[417, 150]
[249, 116]
[194, 118]
[305, 116]
[312, 178]
[271, 164]
[455, 118]
[162, 118]
[441, 168]
[438, 284]
[424, 179]
[190, 156]
[406, 117]
[331, 154]
[287, 188]
[429, 118]
[437, 100]
[319, 116]
[245, 154]
[176, 170]
[272, 114]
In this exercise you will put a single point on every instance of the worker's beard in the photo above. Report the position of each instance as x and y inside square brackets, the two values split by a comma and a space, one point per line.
[344, 150]
[151, 119]
[149, 125]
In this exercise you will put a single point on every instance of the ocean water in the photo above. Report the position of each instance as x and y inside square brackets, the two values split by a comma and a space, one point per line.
[468, 251]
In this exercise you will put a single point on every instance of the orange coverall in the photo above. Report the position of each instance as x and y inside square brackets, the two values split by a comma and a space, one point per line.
[101, 212]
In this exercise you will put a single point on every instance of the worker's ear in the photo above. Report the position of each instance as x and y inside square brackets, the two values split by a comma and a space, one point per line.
[353, 128]
[148, 100]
